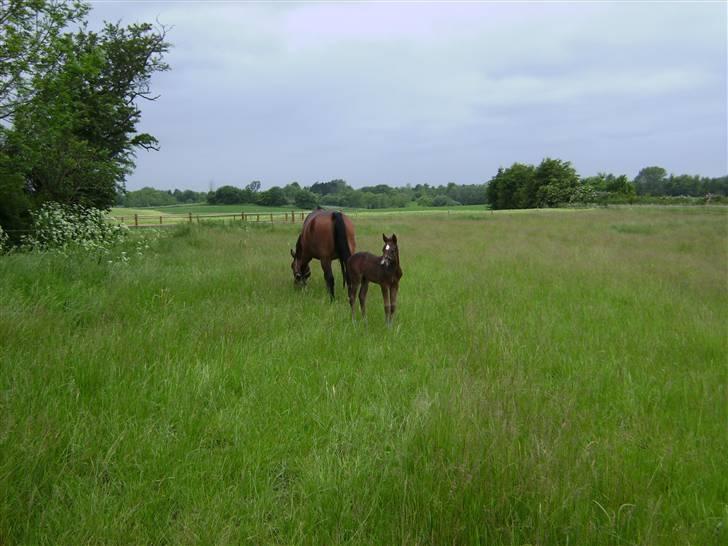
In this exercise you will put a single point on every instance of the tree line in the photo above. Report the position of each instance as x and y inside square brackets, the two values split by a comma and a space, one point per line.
[334, 193]
[552, 183]
[555, 182]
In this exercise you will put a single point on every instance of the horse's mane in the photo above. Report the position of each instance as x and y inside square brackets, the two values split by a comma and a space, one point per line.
[298, 245]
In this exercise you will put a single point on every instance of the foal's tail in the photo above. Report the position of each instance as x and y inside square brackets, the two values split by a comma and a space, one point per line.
[341, 244]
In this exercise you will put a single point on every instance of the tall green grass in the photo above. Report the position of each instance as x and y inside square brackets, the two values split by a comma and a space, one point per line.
[550, 379]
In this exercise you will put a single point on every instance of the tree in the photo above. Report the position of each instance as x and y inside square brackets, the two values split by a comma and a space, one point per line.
[650, 181]
[253, 187]
[273, 197]
[29, 30]
[513, 187]
[306, 199]
[556, 181]
[226, 195]
[330, 187]
[74, 141]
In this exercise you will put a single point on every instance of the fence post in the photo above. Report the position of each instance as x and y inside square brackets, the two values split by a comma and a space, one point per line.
[257, 217]
[286, 214]
[190, 217]
[160, 219]
[198, 219]
[271, 217]
[136, 220]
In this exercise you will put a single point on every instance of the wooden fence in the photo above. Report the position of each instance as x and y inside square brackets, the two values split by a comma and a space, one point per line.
[165, 220]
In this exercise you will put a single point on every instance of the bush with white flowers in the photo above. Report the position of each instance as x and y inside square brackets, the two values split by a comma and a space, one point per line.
[64, 228]
[3, 240]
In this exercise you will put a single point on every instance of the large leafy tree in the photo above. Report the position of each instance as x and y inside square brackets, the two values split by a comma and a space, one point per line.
[76, 139]
[70, 131]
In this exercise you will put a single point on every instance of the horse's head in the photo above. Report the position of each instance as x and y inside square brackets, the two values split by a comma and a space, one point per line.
[300, 273]
[390, 252]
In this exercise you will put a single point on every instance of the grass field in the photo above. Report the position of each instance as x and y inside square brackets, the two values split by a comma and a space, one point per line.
[550, 379]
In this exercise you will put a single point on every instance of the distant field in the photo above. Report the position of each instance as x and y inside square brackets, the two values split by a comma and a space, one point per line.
[552, 378]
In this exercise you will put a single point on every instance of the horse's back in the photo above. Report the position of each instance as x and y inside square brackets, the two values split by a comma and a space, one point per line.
[318, 234]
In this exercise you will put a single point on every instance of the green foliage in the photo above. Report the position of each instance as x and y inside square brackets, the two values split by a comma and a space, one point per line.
[649, 180]
[331, 187]
[229, 195]
[655, 181]
[29, 34]
[274, 197]
[149, 197]
[444, 201]
[306, 199]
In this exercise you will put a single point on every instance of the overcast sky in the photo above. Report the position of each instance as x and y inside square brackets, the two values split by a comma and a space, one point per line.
[408, 92]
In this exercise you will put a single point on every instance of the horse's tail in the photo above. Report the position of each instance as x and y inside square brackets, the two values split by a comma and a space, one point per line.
[341, 244]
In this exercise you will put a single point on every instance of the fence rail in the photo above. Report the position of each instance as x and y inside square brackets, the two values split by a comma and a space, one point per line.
[145, 220]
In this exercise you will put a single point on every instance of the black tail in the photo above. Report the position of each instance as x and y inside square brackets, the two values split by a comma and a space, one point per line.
[341, 244]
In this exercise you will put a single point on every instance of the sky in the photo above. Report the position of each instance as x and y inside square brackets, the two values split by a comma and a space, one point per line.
[429, 92]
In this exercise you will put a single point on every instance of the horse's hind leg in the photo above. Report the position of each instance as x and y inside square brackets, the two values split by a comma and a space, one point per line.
[328, 276]
[363, 298]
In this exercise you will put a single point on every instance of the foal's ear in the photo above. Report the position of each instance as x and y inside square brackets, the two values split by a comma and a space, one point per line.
[293, 254]
[384, 237]
[394, 238]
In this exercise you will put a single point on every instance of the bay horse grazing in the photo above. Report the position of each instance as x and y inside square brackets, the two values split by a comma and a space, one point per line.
[326, 236]
[384, 270]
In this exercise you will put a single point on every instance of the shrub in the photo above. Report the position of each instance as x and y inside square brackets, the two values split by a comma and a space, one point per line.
[62, 228]
[3, 240]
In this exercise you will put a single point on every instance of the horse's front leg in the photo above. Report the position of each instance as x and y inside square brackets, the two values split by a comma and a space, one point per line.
[392, 300]
[385, 295]
[328, 275]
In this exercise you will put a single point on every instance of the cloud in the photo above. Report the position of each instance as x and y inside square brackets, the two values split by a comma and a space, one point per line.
[361, 91]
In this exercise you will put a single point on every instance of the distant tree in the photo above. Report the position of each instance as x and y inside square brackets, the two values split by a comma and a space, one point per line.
[306, 199]
[148, 197]
[514, 187]
[330, 187]
[274, 197]
[227, 195]
[650, 181]
[443, 200]
[556, 180]
[254, 186]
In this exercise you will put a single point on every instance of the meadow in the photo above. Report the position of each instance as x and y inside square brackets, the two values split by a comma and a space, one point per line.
[552, 377]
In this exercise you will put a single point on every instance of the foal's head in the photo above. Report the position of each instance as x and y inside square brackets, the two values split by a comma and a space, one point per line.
[300, 273]
[390, 252]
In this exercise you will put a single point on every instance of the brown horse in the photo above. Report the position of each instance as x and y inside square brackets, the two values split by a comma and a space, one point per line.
[326, 236]
[383, 270]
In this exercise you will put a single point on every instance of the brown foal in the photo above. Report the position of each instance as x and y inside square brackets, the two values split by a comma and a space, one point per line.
[384, 270]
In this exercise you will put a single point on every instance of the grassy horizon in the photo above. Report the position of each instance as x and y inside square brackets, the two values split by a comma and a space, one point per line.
[550, 379]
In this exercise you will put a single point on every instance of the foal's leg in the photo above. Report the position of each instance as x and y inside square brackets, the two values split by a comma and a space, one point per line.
[353, 285]
[392, 300]
[328, 275]
[363, 298]
[385, 295]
